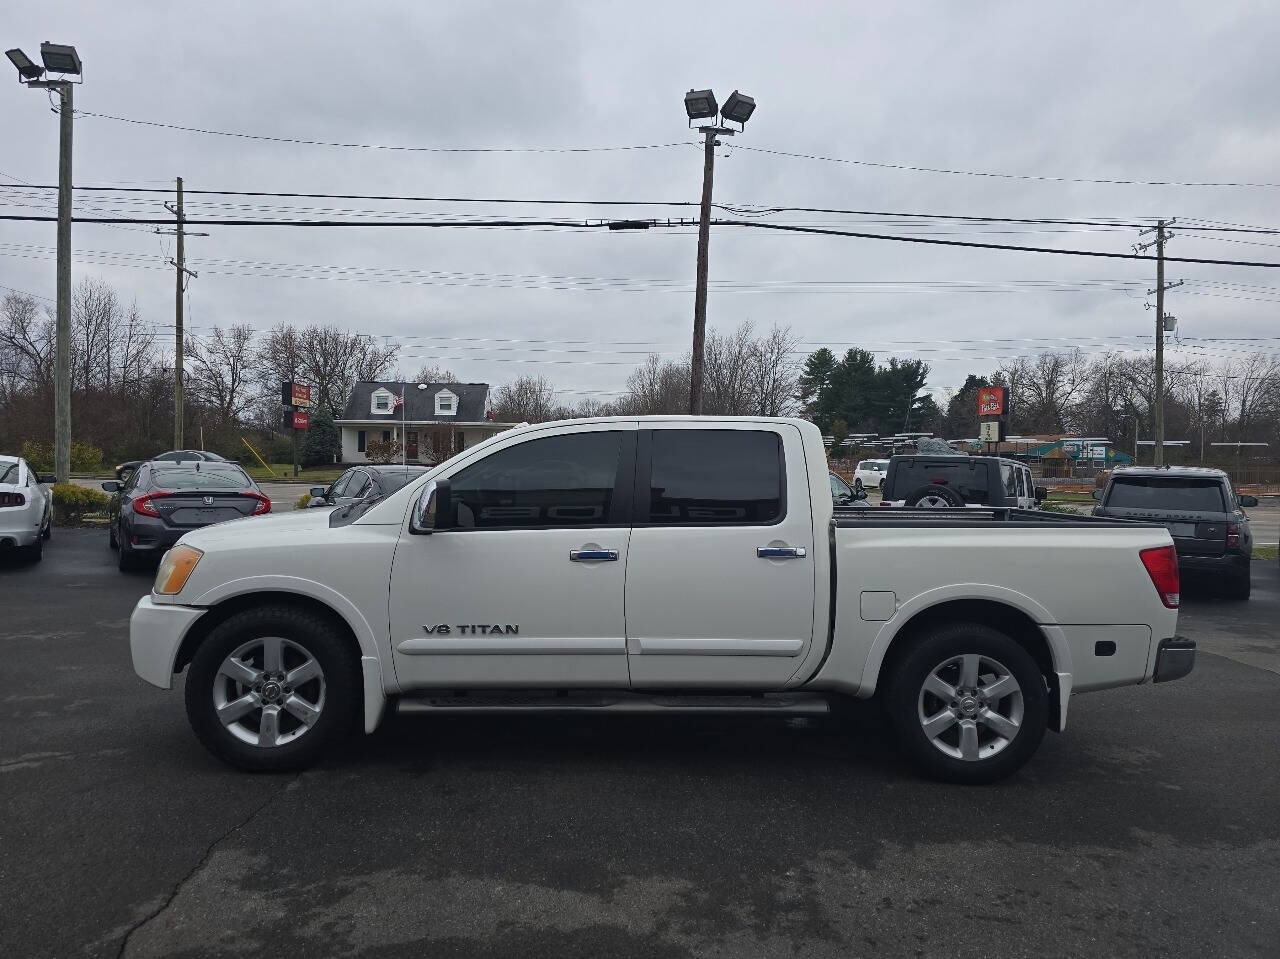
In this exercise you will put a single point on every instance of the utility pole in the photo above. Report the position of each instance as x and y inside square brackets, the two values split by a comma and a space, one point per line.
[700, 291]
[1157, 402]
[62, 367]
[179, 263]
[702, 105]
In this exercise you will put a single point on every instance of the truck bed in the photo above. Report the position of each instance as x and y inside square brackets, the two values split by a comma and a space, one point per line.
[970, 516]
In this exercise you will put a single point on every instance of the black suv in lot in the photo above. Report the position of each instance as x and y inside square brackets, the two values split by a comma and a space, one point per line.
[1202, 512]
[940, 480]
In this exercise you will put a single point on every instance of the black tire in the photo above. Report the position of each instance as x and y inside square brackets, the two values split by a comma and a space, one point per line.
[47, 532]
[903, 698]
[126, 560]
[321, 640]
[947, 495]
[35, 552]
[112, 542]
[1238, 584]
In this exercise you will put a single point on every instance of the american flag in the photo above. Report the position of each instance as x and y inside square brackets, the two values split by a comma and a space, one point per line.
[398, 401]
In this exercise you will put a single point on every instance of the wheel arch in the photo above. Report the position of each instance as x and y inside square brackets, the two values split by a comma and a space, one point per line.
[1025, 626]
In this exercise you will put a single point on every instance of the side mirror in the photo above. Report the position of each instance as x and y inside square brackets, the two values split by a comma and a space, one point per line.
[317, 492]
[1097, 494]
[112, 486]
[45, 480]
[434, 512]
[1042, 493]
[859, 494]
[1247, 500]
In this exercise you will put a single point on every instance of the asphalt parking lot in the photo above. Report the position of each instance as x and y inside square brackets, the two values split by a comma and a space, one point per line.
[1148, 828]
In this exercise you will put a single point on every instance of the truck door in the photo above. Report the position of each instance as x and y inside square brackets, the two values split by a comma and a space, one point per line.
[720, 576]
[528, 589]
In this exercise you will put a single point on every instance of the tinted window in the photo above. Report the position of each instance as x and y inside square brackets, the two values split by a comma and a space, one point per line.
[390, 482]
[552, 482]
[339, 487]
[359, 485]
[715, 476]
[966, 477]
[1166, 493]
[198, 479]
[8, 472]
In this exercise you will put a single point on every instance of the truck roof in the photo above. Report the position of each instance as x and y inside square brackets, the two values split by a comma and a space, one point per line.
[1206, 472]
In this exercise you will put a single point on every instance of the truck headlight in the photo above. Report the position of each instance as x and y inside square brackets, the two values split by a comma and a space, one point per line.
[175, 569]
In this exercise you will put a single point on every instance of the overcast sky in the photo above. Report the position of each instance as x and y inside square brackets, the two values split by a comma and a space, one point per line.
[1146, 91]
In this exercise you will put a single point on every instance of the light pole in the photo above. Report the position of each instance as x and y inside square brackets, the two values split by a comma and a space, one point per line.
[701, 105]
[63, 60]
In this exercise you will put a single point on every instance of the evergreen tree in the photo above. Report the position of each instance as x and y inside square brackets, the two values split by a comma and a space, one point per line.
[323, 443]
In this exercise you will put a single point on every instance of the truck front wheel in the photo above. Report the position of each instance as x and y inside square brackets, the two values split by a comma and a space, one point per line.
[968, 704]
[272, 688]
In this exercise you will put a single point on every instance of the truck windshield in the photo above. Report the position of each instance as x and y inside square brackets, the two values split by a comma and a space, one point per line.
[1193, 494]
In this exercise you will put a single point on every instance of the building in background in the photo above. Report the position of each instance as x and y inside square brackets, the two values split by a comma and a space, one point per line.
[437, 420]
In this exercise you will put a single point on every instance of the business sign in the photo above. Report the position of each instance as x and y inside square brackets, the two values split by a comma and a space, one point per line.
[301, 420]
[991, 401]
[296, 395]
[989, 431]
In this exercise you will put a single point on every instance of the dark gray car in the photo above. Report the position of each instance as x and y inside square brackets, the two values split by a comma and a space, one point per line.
[161, 500]
[364, 482]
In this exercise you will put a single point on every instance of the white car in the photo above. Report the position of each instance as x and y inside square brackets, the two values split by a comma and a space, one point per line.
[26, 508]
[498, 580]
[870, 473]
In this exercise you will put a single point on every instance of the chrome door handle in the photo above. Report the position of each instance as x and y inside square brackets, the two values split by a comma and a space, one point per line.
[781, 552]
[593, 555]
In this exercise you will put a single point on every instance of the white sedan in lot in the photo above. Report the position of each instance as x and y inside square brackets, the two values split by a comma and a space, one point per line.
[870, 473]
[26, 508]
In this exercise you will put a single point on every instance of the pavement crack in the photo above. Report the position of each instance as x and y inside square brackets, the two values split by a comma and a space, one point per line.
[200, 864]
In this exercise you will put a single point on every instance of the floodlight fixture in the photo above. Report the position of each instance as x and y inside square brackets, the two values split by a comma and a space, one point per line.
[60, 58]
[738, 108]
[700, 104]
[27, 68]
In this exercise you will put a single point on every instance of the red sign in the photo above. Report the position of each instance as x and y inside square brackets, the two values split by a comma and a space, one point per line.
[301, 420]
[991, 401]
[301, 395]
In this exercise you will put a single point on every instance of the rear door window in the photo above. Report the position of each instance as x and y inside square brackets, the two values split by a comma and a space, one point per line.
[966, 477]
[176, 479]
[1175, 493]
[715, 477]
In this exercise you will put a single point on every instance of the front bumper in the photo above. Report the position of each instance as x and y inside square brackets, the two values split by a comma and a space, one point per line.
[155, 633]
[1175, 658]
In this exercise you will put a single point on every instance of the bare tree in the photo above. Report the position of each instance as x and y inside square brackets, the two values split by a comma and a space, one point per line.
[775, 372]
[328, 359]
[529, 399]
[729, 372]
[95, 314]
[222, 371]
[658, 386]
[26, 346]
[1250, 386]
[435, 374]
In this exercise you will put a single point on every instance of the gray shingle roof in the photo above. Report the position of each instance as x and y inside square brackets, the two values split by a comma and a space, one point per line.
[420, 405]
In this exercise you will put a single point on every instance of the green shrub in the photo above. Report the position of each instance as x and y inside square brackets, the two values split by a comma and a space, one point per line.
[71, 503]
[303, 500]
[39, 456]
[84, 458]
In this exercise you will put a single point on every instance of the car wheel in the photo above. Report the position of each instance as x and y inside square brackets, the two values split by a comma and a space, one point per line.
[933, 496]
[35, 552]
[968, 704]
[1238, 584]
[47, 532]
[111, 537]
[126, 560]
[272, 688]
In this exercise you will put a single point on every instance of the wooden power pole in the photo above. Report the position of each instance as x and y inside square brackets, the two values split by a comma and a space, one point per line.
[700, 291]
[179, 263]
[1161, 230]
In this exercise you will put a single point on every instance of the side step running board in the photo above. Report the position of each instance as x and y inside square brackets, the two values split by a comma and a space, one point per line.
[612, 701]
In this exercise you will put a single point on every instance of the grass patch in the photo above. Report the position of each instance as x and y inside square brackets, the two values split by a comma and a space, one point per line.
[1266, 553]
[316, 476]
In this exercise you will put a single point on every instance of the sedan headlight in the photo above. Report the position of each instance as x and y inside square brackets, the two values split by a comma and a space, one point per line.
[175, 569]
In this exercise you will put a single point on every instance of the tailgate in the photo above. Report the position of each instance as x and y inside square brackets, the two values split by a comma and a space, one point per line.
[192, 509]
[1194, 534]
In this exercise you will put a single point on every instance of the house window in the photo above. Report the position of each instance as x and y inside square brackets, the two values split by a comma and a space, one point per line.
[386, 436]
[382, 402]
[446, 403]
[360, 441]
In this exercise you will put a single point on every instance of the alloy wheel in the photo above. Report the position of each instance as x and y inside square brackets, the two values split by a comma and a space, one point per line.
[970, 707]
[269, 692]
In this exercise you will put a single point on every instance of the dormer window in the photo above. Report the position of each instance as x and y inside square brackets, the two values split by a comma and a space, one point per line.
[382, 401]
[446, 403]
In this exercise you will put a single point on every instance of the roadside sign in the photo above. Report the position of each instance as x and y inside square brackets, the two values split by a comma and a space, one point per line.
[991, 401]
[296, 395]
[989, 431]
[301, 420]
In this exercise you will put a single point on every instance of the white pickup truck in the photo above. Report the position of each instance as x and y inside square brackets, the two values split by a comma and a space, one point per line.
[665, 564]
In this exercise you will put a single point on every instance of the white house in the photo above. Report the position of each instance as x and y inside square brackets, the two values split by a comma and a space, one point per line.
[436, 420]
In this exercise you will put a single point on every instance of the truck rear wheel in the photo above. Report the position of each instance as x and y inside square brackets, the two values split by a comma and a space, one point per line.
[968, 704]
[272, 688]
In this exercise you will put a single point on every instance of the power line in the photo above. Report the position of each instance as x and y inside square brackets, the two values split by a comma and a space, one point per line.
[378, 146]
[1001, 176]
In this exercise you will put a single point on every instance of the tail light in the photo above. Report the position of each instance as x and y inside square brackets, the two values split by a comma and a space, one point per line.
[262, 505]
[1233, 535]
[1161, 563]
[12, 499]
[143, 503]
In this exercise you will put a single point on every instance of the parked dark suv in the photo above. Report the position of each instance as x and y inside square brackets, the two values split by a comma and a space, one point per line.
[1202, 512]
[938, 480]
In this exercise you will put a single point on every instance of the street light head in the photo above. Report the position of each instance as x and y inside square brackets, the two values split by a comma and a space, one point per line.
[60, 58]
[738, 108]
[700, 104]
[27, 69]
